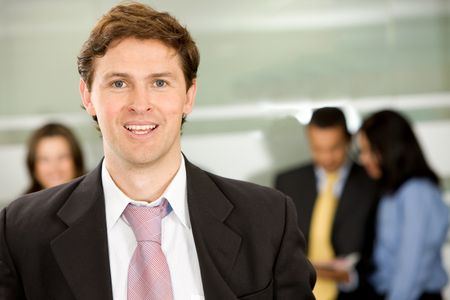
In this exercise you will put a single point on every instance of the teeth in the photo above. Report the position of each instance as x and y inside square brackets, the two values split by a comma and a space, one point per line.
[140, 127]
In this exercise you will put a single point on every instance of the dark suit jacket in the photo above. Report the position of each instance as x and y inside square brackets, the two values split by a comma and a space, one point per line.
[355, 207]
[53, 243]
[354, 219]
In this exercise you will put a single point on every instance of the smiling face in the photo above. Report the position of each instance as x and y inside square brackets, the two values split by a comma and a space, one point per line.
[139, 96]
[54, 162]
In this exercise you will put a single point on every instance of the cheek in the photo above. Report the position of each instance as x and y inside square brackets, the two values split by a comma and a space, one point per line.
[340, 154]
[361, 158]
[171, 112]
[375, 167]
[40, 169]
[176, 103]
[107, 116]
[317, 155]
[106, 104]
[371, 161]
[173, 108]
[68, 166]
[370, 164]
[364, 159]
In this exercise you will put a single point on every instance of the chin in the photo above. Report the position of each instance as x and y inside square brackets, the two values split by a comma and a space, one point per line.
[142, 159]
[331, 169]
[374, 175]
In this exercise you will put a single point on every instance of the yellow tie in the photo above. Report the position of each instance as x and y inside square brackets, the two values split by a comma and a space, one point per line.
[320, 248]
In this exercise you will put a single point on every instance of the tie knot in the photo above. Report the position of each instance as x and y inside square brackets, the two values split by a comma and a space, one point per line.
[145, 221]
[331, 177]
[330, 180]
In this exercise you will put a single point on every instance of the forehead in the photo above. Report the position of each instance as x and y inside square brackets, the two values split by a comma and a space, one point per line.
[326, 135]
[52, 143]
[136, 53]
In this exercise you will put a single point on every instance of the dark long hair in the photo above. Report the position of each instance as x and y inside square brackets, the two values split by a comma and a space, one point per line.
[51, 130]
[392, 138]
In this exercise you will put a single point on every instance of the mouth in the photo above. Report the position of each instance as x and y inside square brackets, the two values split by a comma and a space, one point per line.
[141, 129]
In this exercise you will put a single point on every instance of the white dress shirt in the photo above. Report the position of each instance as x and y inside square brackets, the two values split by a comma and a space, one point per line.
[177, 241]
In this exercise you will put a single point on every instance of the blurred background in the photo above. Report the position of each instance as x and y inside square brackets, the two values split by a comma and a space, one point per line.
[264, 66]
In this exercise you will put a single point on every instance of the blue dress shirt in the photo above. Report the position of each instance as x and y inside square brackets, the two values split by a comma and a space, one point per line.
[411, 230]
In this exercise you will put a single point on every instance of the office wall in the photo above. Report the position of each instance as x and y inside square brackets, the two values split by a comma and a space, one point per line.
[264, 66]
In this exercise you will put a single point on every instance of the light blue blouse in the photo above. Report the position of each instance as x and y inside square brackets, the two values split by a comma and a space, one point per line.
[411, 230]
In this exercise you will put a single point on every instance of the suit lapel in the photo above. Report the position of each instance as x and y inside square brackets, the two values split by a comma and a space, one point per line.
[82, 250]
[310, 185]
[217, 245]
[345, 201]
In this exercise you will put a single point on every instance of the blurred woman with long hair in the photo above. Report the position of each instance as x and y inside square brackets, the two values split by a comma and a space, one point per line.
[412, 219]
[54, 157]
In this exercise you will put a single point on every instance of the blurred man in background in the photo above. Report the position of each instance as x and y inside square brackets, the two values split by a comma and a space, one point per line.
[335, 201]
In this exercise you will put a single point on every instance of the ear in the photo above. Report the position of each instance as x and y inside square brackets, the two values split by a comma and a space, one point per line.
[86, 98]
[190, 98]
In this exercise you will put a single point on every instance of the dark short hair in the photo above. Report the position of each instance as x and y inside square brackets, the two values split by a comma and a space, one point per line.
[326, 117]
[392, 138]
[52, 130]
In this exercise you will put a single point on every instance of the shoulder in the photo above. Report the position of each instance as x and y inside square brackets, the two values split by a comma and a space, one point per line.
[250, 201]
[420, 192]
[256, 210]
[422, 201]
[43, 206]
[34, 208]
[210, 183]
[418, 186]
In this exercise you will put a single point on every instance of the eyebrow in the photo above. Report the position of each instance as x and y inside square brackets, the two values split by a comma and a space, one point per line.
[162, 74]
[115, 74]
[152, 75]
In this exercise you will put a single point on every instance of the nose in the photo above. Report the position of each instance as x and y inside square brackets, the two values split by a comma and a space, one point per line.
[328, 161]
[140, 100]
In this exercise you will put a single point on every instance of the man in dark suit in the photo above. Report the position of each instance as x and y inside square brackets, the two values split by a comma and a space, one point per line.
[215, 238]
[353, 199]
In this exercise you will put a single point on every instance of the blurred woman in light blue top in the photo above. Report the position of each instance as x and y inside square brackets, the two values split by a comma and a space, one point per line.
[412, 219]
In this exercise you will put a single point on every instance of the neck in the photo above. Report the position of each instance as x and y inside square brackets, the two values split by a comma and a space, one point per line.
[145, 182]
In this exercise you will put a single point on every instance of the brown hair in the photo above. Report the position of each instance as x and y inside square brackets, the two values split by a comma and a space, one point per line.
[142, 22]
[52, 130]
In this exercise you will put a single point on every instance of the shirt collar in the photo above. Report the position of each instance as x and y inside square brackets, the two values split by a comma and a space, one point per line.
[342, 173]
[116, 201]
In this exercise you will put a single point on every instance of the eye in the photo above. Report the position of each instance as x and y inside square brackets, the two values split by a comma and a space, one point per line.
[160, 83]
[119, 84]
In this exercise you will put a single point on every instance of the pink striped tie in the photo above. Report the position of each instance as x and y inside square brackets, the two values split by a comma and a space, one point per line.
[148, 273]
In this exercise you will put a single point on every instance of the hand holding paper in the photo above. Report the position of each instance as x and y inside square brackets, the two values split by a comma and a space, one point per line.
[338, 269]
